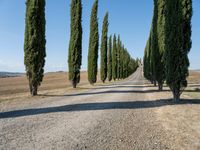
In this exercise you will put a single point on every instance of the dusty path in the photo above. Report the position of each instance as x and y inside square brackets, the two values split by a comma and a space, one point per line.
[119, 116]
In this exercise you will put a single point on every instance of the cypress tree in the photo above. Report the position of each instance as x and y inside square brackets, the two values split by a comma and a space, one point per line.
[104, 48]
[121, 62]
[126, 61]
[146, 62]
[93, 45]
[187, 31]
[34, 43]
[75, 45]
[148, 71]
[160, 71]
[118, 57]
[150, 60]
[154, 44]
[131, 66]
[178, 44]
[114, 58]
[157, 43]
[110, 59]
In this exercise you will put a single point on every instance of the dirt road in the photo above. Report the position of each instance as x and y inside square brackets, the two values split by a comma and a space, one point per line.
[121, 116]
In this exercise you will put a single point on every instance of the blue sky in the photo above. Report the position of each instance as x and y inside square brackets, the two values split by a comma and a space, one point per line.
[129, 18]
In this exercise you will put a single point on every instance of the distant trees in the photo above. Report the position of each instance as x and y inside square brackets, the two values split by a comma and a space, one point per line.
[93, 45]
[169, 44]
[34, 43]
[123, 64]
[110, 59]
[104, 48]
[75, 45]
[132, 66]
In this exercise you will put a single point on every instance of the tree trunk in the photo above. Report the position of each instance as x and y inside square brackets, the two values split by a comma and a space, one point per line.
[30, 85]
[30, 88]
[154, 82]
[160, 86]
[176, 95]
[151, 81]
[34, 90]
[74, 84]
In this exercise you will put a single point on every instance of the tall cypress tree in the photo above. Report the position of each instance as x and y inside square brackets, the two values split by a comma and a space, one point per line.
[187, 31]
[118, 56]
[121, 61]
[104, 48]
[34, 44]
[114, 58]
[178, 44]
[110, 59]
[126, 62]
[75, 45]
[154, 43]
[160, 71]
[150, 60]
[146, 62]
[157, 43]
[93, 45]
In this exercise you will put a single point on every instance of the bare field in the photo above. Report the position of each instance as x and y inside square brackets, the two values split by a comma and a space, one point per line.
[14, 88]
[180, 121]
[53, 83]
[194, 78]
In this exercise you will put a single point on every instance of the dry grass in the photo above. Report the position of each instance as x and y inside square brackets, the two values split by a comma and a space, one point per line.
[193, 89]
[194, 77]
[56, 83]
[181, 121]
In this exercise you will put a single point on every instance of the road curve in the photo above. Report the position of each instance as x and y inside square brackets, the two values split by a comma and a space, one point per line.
[118, 116]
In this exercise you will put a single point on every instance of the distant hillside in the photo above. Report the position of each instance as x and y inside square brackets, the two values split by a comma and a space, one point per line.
[10, 74]
[196, 70]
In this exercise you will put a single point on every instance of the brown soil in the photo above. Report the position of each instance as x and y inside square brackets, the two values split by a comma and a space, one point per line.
[17, 87]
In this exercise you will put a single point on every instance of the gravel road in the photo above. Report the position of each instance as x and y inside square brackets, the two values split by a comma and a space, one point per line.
[120, 116]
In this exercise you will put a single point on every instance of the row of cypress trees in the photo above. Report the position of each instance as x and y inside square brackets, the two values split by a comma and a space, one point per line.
[112, 66]
[112, 53]
[120, 63]
[166, 51]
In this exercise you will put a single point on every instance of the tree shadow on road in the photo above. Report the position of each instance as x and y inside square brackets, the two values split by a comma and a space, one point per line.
[96, 106]
[121, 86]
[111, 92]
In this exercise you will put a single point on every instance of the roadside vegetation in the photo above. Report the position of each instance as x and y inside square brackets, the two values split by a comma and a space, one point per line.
[166, 52]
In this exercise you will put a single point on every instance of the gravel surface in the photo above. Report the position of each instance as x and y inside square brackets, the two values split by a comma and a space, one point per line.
[120, 116]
